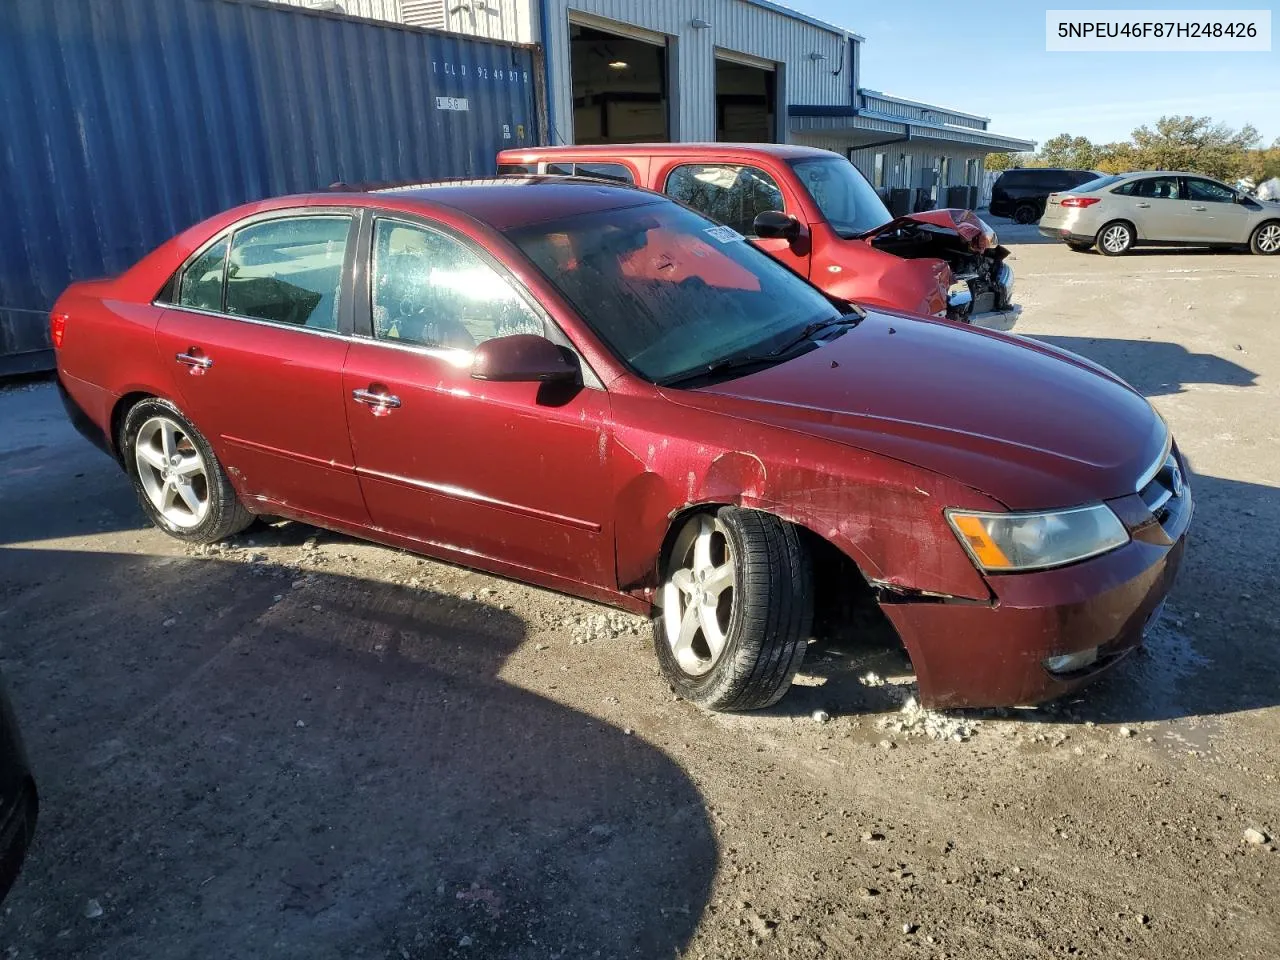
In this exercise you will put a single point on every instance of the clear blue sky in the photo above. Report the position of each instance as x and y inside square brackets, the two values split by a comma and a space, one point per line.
[989, 58]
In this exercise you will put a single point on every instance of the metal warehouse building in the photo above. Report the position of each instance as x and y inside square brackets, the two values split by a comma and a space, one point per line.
[700, 70]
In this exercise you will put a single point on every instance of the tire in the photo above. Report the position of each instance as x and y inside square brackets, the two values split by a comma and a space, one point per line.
[761, 629]
[1026, 213]
[1079, 247]
[1115, 238]
[1265, 240]
[179, 481]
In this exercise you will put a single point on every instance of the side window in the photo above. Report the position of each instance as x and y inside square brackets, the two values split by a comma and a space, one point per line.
[288, 271]
[513, 169]
[605, 171]
[201, 285]
[431, 290]
[560, 169]
[1126, 189]
[1158, 188]
[732, 195]
[1206, 191]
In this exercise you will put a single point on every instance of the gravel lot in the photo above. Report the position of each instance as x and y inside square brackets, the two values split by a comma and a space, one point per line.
[304, 746]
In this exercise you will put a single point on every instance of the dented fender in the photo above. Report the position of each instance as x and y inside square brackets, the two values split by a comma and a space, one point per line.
[885, 515]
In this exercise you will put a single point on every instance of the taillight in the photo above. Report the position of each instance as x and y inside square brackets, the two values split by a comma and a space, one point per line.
[1079, 201]
[57, 328]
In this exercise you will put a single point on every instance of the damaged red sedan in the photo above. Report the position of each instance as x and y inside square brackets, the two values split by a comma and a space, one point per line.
[595, 389]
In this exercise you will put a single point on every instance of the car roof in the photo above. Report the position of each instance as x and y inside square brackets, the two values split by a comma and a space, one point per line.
[1047, 170]
[506, 203]
[784, 151]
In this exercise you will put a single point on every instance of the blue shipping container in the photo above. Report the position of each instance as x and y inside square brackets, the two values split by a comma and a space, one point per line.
[123, 122]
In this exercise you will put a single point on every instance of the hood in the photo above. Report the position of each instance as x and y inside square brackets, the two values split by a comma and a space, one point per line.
[974, 232]
[1029, 425]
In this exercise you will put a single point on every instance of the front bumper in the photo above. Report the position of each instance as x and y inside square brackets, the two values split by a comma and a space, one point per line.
[974, 654]
[1003, 320]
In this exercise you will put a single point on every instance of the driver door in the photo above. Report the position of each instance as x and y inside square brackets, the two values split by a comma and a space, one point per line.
[514, 472]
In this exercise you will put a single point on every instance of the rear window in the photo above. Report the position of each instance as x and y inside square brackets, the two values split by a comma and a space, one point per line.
[1013, 178]
[605, 171]
[616, 172]
[1098, 183]
[1047, 180]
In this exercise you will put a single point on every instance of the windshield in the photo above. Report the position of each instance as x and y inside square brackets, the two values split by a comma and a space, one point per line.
[1093, 186]
[669, 291]
[847, 201]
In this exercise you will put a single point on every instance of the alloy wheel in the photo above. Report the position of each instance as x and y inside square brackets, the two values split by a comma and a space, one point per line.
[173, 473]
[1116, 239]
[699, 594]
[1269, 238]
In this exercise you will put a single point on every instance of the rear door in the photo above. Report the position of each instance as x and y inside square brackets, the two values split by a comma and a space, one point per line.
[1158, 208]
[517, 472]
[1215, 216]
[734, 194]
[255, 336]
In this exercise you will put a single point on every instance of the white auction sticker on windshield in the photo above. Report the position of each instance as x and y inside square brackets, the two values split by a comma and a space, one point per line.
[724, 234]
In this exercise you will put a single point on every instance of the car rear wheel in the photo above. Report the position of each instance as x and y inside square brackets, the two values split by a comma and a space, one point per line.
[1026, 213]
[737, 608]
[1266, 239]
[179, 481]
[1115, 238]
[1079, 247]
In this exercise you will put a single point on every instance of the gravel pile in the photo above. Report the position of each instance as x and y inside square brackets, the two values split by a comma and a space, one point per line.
[915, 720]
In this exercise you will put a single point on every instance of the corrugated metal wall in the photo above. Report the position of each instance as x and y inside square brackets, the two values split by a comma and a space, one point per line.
[890, 107]
[735, 25]
[125, 121]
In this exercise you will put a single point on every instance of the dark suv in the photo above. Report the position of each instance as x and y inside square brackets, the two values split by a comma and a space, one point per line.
[1021, 194]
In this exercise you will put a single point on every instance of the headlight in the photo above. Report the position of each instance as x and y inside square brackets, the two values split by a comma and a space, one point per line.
[1002, 542]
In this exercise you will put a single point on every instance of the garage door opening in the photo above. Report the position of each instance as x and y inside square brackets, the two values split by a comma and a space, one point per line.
[746, 102]
[619, 88]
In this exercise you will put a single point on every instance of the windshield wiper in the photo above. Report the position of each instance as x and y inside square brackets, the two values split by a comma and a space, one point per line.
[745, 360]
[812, 328]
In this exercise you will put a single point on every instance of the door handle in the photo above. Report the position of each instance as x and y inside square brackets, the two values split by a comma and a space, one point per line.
[1201, 209]
[380, 403]
[194, 359]
[1145, 206]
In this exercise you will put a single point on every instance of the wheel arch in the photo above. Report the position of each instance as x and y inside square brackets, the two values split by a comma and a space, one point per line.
[1270, 221]
[1133, 229]
[120, 410]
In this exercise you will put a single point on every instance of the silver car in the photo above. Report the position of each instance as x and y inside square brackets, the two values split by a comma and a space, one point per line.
[1154, 208]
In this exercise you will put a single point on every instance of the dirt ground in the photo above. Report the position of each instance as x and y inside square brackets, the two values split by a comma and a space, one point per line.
[303, 746]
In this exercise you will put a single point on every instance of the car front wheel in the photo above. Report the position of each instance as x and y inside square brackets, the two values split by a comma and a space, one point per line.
[1266, 239]
[736, 609]
[182, 486]
[1115, 238]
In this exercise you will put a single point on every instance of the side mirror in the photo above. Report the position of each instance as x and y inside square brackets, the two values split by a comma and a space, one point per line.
[522, 358]
[776, 225]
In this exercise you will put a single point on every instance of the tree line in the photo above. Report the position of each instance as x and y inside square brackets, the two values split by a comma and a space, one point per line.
[1192, 144]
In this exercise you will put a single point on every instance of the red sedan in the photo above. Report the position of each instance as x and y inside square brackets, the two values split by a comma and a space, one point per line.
[595, 389]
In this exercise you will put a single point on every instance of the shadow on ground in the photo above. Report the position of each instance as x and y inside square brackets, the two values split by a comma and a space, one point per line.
[236, 766]
[1156, 368]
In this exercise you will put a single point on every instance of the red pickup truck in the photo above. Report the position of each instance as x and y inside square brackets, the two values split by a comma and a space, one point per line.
[813, 210]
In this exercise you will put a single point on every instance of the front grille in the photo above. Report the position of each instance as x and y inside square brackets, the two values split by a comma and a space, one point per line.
[1165, 489]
